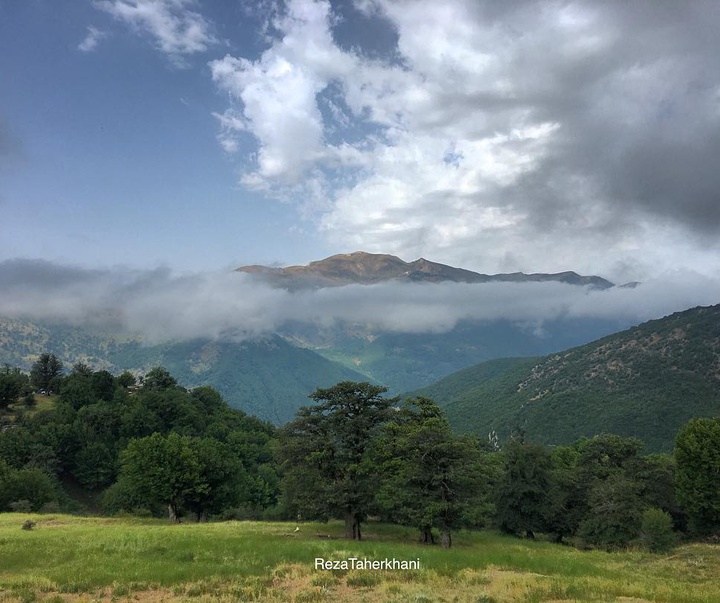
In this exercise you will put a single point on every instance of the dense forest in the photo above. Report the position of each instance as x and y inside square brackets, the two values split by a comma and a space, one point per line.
[89, 441]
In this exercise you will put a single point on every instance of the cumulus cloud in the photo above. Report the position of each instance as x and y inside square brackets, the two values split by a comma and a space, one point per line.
[278, 94]
[161, 306]
[176, 29]
[92, 39]
[496, 135]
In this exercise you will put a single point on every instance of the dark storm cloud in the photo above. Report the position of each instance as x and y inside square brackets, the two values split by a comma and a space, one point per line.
[593, 124]
[638, 108]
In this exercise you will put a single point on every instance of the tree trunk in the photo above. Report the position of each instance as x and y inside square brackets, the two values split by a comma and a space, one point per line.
[352, 526]
[426, 536]
[202, 516]
[172, 513]
[446, 539]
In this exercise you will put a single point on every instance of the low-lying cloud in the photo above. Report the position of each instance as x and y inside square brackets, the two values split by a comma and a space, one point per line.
[161, 306]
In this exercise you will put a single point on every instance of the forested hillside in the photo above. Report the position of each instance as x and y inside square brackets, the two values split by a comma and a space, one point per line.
[644, 382]
[267, 377]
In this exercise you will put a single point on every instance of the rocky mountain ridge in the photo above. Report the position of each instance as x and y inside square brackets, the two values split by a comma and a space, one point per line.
[370, 268]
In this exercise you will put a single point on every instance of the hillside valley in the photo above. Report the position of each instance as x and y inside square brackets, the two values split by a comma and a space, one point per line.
[643, 382]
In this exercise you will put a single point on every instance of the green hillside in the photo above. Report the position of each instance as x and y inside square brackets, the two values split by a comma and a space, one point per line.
[269, 378]
[407, 361]
[644, 382]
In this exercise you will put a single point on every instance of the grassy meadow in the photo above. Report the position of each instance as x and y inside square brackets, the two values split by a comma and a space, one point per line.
[74, 559]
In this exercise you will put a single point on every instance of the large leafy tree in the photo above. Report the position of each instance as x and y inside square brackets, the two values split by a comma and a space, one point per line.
[32, 487]
[324, 453]
[224, 479]
[697, 454]
[159, 378]
[615, 512]
[429, 476]
[162, 470]
[523, 493]
[103, 385]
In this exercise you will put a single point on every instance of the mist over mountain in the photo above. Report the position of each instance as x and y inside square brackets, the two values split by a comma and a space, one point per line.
[369, 316]
[161, 305]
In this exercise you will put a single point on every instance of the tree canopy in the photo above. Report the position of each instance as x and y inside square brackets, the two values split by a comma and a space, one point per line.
[324, 450]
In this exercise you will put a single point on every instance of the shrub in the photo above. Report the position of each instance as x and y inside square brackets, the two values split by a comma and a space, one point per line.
[21, 506]
[656, 533]
[615, 513]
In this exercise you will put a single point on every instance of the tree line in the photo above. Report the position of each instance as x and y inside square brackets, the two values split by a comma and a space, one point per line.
[149, 446]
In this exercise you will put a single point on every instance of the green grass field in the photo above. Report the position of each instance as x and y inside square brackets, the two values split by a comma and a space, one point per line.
[41, 403]
[75, 559]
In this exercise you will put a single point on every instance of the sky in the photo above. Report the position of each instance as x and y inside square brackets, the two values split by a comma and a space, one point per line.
[179, 137]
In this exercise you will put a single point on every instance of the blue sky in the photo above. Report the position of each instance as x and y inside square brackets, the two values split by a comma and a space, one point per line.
[114, 156]
[496, 136]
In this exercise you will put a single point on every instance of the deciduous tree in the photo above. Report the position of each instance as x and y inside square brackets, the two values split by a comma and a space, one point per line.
[697, 454]
[429, 477]
[162, 470]
[324, 451]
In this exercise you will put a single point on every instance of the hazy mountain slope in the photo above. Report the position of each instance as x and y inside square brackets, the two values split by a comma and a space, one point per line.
[406, 361]
[645, 382]
[22, 341]
[269, 377]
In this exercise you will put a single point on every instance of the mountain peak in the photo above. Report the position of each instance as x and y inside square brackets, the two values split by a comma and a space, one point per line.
[361, 267]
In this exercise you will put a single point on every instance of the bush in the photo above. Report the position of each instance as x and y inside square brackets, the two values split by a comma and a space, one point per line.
[21, 506]
[26, 490]
[119, 499]
[277, 512]
[656, 533]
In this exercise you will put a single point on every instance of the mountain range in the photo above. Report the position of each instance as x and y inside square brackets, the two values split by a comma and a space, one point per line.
[365, 268]
[404, 361]
[271, 376]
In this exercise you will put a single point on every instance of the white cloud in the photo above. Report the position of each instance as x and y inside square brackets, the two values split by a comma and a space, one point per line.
[499, 136]
[176, 28]
[277, 94]
[92, 39]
